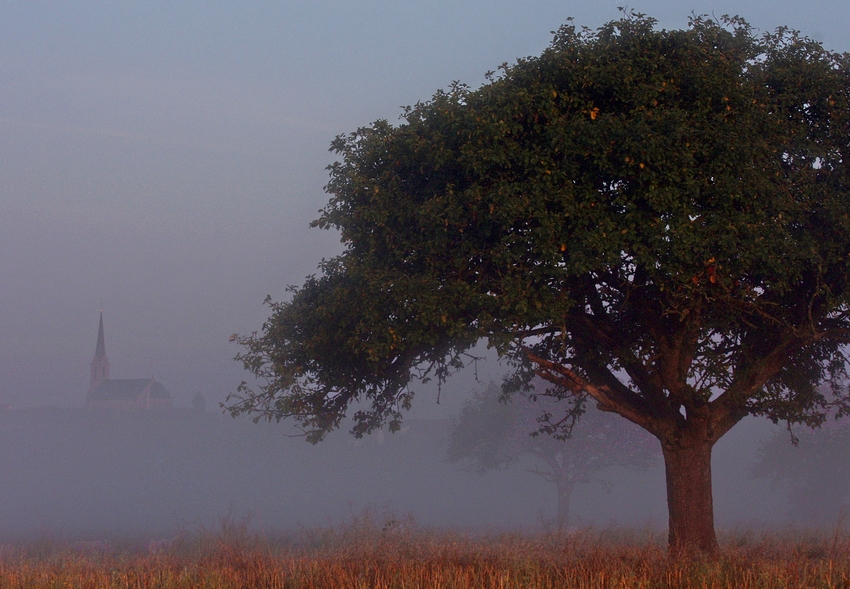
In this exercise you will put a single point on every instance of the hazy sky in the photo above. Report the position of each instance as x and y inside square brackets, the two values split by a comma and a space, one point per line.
[167, 158]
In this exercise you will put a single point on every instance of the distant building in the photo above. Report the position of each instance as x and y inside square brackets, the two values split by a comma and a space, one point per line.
[128, 394]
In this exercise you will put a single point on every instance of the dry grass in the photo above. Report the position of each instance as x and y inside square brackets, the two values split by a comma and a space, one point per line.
[366, 553]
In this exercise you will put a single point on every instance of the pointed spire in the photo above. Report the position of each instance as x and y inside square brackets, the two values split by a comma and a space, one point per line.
[100, 350]
[99, 364]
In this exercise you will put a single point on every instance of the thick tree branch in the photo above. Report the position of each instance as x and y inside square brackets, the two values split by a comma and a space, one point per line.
[632, 408]
[592, 334]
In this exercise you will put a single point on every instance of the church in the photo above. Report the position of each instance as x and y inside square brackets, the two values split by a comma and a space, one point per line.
[128, 394]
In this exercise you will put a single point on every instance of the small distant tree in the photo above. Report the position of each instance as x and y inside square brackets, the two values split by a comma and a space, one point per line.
[199, 403]
[494, 432]
[815, 469]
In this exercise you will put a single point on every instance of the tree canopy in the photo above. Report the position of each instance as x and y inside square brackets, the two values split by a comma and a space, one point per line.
[655, 220]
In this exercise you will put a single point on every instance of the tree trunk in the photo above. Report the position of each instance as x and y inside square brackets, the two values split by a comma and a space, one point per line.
[689, 499]
[565, 490]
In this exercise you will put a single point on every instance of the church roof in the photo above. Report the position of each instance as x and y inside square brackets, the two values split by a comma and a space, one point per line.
[129, 389]
[121, 393]
[100, 349]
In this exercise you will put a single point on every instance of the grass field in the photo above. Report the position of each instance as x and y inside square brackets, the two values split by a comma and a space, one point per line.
[366, 553]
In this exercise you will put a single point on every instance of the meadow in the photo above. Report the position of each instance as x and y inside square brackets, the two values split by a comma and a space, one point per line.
[368, 552]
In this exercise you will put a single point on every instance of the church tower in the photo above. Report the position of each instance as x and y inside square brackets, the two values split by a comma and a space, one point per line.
[99, 365]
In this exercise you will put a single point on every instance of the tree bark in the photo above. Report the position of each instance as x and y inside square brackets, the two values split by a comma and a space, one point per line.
[689, 498]
[565, 490]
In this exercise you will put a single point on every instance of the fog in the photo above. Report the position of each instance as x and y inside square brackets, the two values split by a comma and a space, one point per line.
[73, 473]
[162, 161]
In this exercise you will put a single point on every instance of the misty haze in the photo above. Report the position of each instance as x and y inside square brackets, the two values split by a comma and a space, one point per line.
[125, 467]
[161, 164]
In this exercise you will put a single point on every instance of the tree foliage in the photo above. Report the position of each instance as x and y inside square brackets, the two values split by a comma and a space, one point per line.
[657, 220]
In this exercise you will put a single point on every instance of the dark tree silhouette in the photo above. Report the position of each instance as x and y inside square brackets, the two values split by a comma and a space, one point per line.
[658, 221]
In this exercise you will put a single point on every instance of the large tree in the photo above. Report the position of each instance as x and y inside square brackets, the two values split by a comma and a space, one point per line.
[655, 220]
[494, 431]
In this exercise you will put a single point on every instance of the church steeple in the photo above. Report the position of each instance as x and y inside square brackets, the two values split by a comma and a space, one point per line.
[100, 350]
[99, 365]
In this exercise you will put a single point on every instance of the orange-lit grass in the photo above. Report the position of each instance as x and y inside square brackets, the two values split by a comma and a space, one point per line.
[398, 555]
